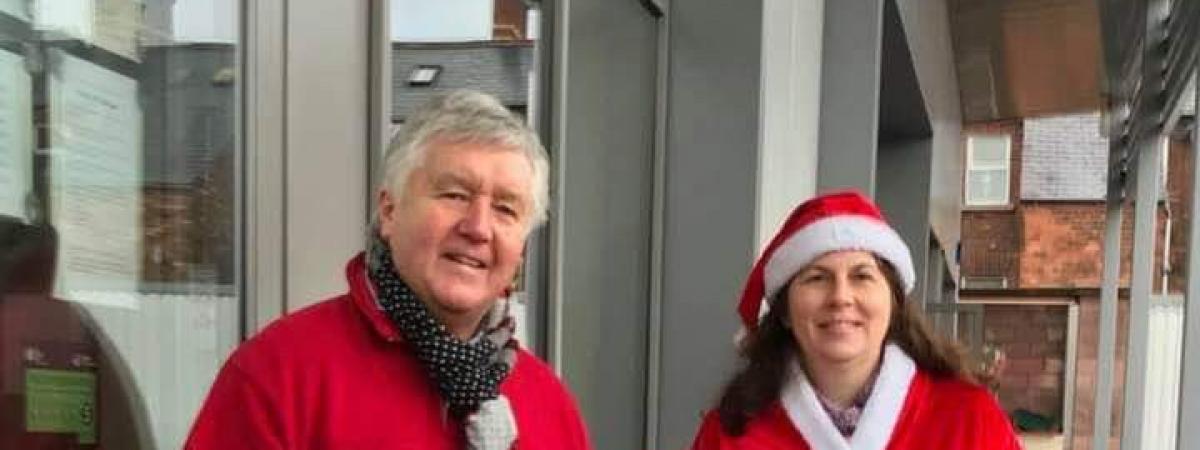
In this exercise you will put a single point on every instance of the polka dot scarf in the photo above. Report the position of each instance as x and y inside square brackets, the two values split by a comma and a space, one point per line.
[467, 374]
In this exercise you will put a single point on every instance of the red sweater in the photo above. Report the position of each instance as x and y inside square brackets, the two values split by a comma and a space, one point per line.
[935, 414]
[336, 375]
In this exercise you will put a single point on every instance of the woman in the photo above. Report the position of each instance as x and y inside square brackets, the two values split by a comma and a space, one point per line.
[840, 359]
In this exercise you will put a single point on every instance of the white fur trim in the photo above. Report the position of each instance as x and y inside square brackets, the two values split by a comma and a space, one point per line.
[804, 409]
[883, 408]
[845, 232]
[879, 417]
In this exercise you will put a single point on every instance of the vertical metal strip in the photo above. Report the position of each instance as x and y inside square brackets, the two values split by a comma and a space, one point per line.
[657, 239]
[379, 98]
[1145, 229]
[560, 36]
[1106, 345]
[1069, 372]
[1189, 378]
[265, 142]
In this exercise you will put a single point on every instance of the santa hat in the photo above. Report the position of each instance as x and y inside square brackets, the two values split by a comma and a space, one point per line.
[831, 222]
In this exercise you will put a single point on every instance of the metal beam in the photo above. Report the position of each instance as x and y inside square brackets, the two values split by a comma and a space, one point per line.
[850, 72]
[1189, 378]
[1106, 346]
[1149, 180]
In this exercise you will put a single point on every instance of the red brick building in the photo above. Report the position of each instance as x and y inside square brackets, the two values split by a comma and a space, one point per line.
[1032, 257]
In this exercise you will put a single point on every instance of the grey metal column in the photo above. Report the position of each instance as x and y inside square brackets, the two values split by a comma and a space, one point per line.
[709, 204]
[1189, 379]
[1106, 351]
[1149, 179]
[603, 144]
[850, 67]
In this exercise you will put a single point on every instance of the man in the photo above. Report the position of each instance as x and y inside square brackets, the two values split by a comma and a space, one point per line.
[419, 353]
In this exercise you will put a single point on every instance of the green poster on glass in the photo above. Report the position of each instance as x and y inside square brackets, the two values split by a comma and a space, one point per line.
[61, 401]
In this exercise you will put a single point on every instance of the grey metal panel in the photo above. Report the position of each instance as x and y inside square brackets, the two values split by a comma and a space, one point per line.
[1149, 178]
[903, 195]
[710, 197]
[850, 68]
[603, 163]
[1107, 342]
[927, 28]
[327, 135]
[1189, 379]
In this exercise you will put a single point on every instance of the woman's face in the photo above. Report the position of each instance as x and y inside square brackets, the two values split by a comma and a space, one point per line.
[839, 308]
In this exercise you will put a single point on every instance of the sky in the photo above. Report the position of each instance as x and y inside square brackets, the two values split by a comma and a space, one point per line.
[442, 20]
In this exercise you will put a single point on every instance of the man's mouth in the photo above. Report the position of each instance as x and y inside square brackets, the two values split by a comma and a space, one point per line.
[466, 260]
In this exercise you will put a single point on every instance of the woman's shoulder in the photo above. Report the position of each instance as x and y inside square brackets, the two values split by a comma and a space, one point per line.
[956, 391]
[967, 414]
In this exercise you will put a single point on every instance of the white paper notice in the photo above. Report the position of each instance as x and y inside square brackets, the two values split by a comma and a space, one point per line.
[16, 133]
[95, 171]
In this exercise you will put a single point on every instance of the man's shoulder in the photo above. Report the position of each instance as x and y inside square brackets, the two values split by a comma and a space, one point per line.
[321, 325]
[531, 373]
[529, 365]
[334, 312]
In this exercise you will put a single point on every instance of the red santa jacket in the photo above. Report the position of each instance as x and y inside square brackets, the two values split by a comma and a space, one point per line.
[337, 375]
[908, 409]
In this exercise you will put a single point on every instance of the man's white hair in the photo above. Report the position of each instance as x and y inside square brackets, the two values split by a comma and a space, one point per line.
[467, 116]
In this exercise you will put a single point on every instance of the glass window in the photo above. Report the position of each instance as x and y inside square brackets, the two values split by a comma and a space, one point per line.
[118, 218]
[987, 170]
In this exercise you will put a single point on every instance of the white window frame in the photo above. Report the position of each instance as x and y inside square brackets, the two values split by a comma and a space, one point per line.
[968, 199]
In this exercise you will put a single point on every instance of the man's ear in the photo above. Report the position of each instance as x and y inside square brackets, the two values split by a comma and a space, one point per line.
[386, 206]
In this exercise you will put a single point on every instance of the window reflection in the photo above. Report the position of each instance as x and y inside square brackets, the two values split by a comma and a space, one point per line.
[118, 163]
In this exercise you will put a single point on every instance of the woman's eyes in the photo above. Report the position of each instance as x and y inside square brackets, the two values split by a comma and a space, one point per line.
[820, 277]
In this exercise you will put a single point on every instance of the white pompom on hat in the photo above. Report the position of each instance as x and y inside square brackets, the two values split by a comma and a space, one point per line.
[831, 222]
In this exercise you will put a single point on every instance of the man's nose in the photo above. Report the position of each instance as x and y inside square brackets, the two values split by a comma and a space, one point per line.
[476, 223]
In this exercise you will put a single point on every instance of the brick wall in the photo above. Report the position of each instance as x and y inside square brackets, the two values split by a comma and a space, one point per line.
[1056, 244]
[991, 236]
[1085, 370]
[1033, 338]
[508, 20]
[1063, 244]
[990, 244]
[1179, 183]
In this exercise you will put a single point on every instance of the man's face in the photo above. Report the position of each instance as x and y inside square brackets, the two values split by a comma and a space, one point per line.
[458, 234]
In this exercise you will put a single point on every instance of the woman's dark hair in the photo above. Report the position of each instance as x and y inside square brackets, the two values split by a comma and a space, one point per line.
[766, 351]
